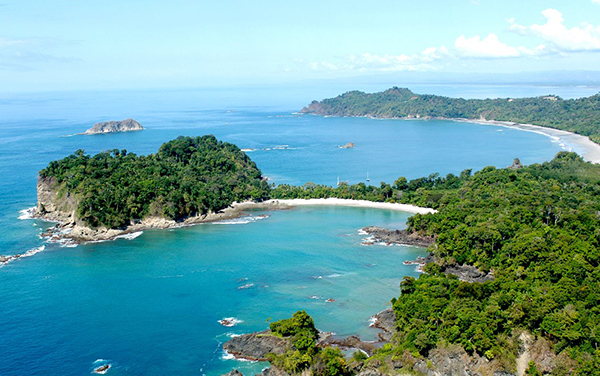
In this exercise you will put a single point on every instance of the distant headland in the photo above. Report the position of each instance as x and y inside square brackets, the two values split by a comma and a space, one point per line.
[127, 125]
[580, 116]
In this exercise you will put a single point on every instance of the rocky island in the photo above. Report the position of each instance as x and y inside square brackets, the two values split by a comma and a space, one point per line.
[127, 125]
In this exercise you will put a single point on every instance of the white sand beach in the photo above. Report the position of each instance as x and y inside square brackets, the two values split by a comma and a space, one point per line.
[582, 145]
[346, 202]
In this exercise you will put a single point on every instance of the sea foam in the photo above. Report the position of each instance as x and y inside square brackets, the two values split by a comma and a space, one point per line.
[27, 213]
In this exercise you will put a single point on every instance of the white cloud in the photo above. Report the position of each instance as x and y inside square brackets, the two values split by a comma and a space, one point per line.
[558, 40]
[489, 46]
[7, 42]
[596, 1]
[584, 38]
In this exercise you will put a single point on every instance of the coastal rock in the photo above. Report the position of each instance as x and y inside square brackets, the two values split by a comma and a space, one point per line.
[350, 342]
[256, 346]
[516, 165]
[349, 145]
[469, 273]
[386, 322]
[454, 361]
[370, 372]
[382, 235]
[102, 369]
[273, 371]
[316, 108]
[52, 205]
[235, 372]
[126, 125]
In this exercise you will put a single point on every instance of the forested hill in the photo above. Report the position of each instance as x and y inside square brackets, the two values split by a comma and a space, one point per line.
[580, 116]
[536, 228]
[188, 176]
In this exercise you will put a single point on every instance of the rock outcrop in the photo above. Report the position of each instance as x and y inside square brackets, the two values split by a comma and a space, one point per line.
[386, 322]
[469, 273]
[273, 371]
[454, 361]
[126, 125]
[349, 145]
[256, 346]
[516, 165]
[382, 235]
[54, 205]
[235, 372]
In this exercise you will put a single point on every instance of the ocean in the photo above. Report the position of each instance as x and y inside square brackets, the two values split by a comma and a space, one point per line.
[150, 304]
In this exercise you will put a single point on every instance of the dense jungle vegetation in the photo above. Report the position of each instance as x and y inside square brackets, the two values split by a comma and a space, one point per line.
[537, 228]
[188, 176]
[580, 115]
[305, 355]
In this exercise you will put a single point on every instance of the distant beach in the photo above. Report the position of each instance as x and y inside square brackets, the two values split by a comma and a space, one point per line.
[582, 145]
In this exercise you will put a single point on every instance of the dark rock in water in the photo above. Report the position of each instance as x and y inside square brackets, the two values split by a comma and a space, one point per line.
[350, 342]
[516, 165]
[256, 346]
[235, 372]
[382, 235]
[126, 125]
[102, 369]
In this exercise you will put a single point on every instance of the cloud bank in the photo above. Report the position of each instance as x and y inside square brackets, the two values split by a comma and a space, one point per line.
[555, 36]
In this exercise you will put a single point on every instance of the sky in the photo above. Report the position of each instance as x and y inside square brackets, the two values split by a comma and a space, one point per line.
[91, 44]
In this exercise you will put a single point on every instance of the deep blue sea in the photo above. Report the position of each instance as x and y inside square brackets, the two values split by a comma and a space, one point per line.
[151, 305]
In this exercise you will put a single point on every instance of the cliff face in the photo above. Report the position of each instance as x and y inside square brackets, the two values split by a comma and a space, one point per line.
[126, 125]
[318, 108]
[54, 205]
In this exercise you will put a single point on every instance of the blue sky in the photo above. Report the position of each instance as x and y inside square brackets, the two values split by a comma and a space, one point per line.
[62, 45]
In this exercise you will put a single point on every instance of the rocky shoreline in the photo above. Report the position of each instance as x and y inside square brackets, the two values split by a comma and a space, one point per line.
[69, 230]
[403, 237]
[255, 346]
[467, 273]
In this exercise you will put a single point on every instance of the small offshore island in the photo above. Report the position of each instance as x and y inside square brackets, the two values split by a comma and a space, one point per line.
[127, 125]
[510, 285]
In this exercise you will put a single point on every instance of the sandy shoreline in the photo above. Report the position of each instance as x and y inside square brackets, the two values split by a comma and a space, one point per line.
[273, 204]
[582, 145]
[569, 141]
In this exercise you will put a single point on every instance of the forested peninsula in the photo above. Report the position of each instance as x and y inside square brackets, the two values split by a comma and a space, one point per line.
[535, 229]
[581, 116]
[189, 177]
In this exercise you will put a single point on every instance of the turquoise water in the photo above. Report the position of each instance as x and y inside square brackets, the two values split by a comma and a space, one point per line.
[150, 305]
